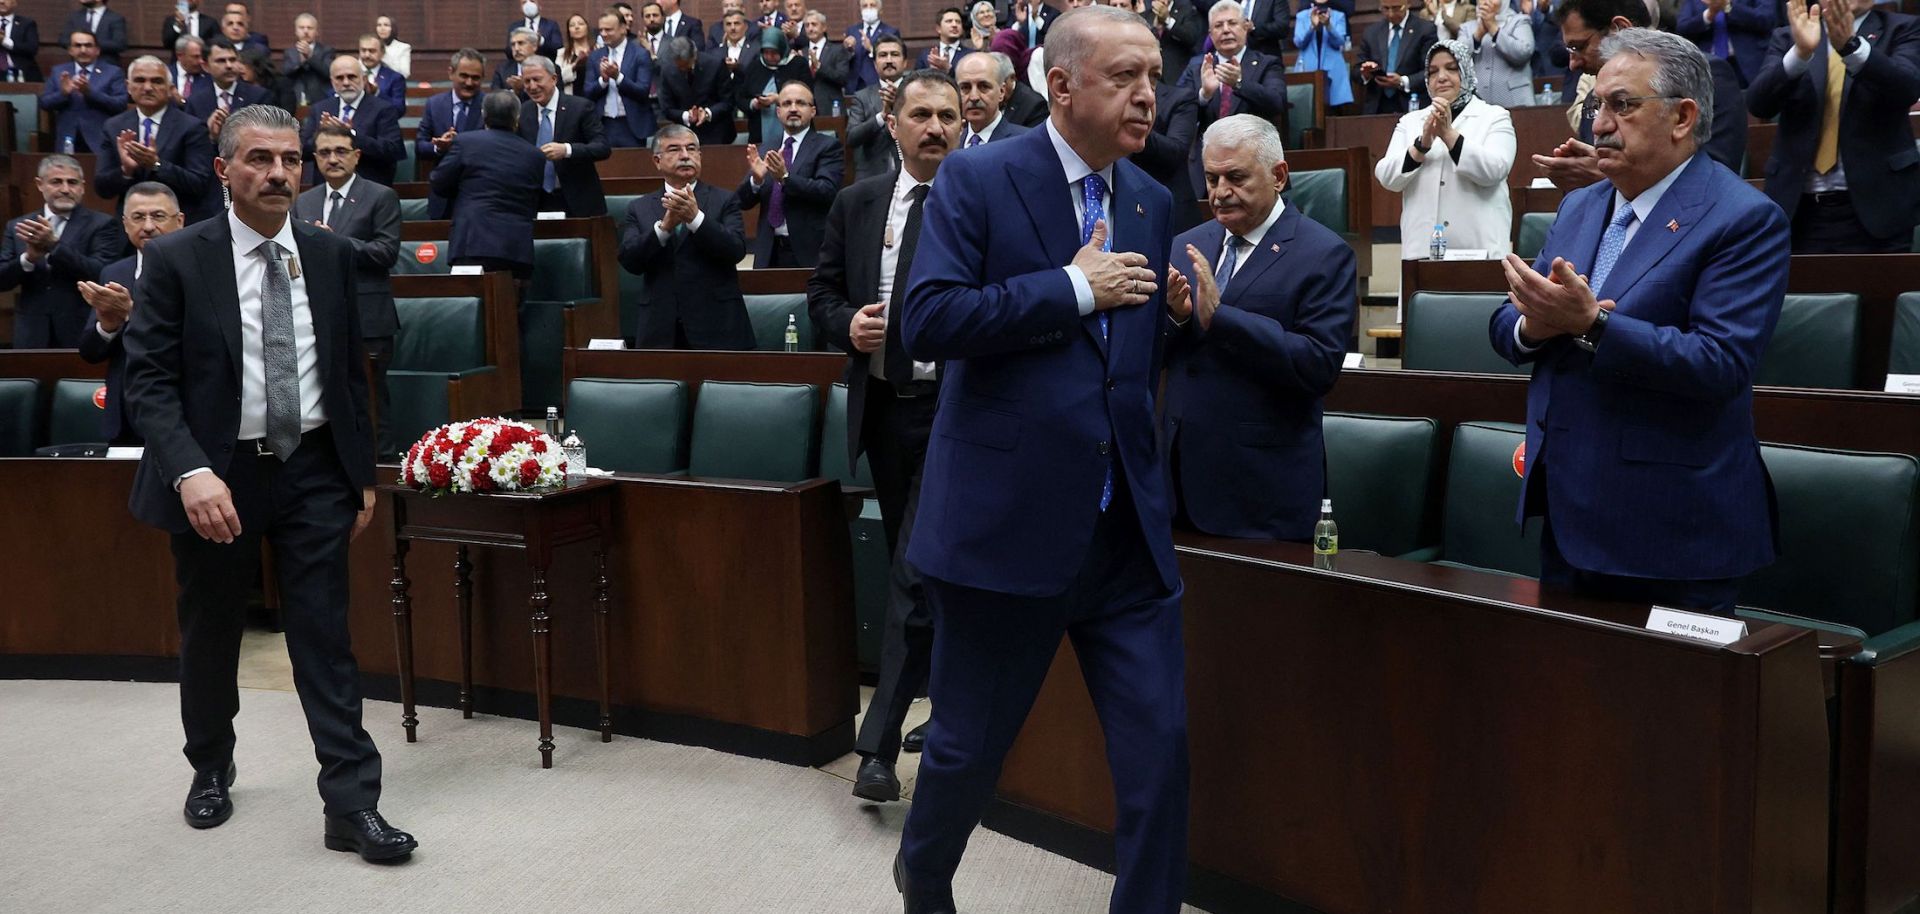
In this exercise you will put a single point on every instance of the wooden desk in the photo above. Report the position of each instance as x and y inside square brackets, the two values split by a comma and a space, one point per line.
[599, 320]
[1536, 128]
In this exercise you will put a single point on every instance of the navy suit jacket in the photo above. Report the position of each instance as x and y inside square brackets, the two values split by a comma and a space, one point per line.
[813, 180]
[1243, 397]
[26, 47]
[1646, 444]
[1048, 13]
[115, 425]
[1749, 24]
[706, 86]
[636, 77]
[376, 133]
[1035, 408]
[959, 51]
[186, 162]
[111, 34]
[692, 29]
[693, 280]
[84, 114]
[1272, 26]
[391, 87]
[551, 38]
[205, 98]
[434, 121]
[90, 241]
[717, 34]
[860, 71]
[493, 179]
[1876, 145]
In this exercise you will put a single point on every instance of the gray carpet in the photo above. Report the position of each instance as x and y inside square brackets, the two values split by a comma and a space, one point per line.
[90, 822]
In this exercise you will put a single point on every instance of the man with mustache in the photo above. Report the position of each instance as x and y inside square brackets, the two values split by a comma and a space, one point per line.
[983, 79]
[687, 241]
[226, 92]
[247, 378]
[156, 140]
[151, 210]
[793, 185]
[567, 131]
[1644, 318]
[1044, 508]
[873, 147]
[44, 253]
[82, 93]
[872, 232]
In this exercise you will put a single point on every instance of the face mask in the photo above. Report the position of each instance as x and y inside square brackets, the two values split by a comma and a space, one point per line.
[529, 10]
[869, 15]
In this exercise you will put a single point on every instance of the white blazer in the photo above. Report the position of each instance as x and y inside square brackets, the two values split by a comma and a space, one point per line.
[398, 57]
[1473, 201]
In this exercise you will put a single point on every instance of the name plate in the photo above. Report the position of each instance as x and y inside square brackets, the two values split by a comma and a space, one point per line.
[1698, 626]
[1466, 254]
[125, 453]
[1541, 183]
[549, 216]
[1353, 360]
[1903, 383]
[606, 344]
[467, 269]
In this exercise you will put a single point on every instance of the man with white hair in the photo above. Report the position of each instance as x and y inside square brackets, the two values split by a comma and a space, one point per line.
[983, 79]
[156, 140]
[1264, 308]
[374, 123]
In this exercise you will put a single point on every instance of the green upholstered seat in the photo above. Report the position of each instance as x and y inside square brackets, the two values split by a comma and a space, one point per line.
[1849, 538]
[745, 430]
[1300, 108]
[1533, 234]
[563, 273]
[833, 443]
[563, 270]
[19, 415]
[74, 417]
[26, 116]
[617, 207]
[1447, 331]
[1483, 492]
[1380, 477]
[872, 561]
[413, 209]
[630, 426]
[768, 315]
[409, 263]
[1815, 344]
[1321, 195]
[1905, 357]
[405, 169]
[440, 341]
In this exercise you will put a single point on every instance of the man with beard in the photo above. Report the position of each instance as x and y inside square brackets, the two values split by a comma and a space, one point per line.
[45, 253]
[567, 131]
[156, 141]
[874, 152]
[793, 185]
[687, 241]
[872, 232]
[151, 210]
[375, 125]
[448, 115]
[982, 79]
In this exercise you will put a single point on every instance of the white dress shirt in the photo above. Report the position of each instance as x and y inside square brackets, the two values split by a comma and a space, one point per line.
[1077, 170]
[1643, 207]
[140, 119]
[660, 225]
[54, 221]
[249, 271]
[898, 205]
[615, 105]
[986, 134]
[1835, 180]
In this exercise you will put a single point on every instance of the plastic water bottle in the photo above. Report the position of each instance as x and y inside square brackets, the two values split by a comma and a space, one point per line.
[836, 107]
[66, 145]
[793, 335]
[1326, 537]
[1437, 247]
[553, 423]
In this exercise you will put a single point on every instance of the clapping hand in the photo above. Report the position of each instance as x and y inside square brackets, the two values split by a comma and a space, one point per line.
[776, 165]
[1118, 279]
[1206, 292]
[445, 140]
[34, 232]
[111, 303]
[1556, 304]
[1209, 77]
[330, 120]
[869, 327]
[756, 164]
[1179, 296]
[1572, 165]
[886, 97]
[1229, 71]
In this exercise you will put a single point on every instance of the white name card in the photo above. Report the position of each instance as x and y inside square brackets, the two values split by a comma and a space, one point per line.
[549, 216]
[467, 269]
[125, 453]
[1466, 254]
[1540, 184]
[1903, 383]
[1353, 360]
[1699, 627]
[606, 344]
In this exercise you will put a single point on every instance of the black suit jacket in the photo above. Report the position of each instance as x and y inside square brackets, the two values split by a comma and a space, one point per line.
[111, 35]
[376, 133]
[717, 34]
[437, 119]
[704, 87]
[752, 78]
[1272, 26]
[1182, 39]
[183, 360]
[692, 29]
[813, 179]
[26, 48]
[1025, 106]
[1175, 125]
[693, 279]
[206, 99]
[170, 31]
[1048, 13]
[577, 122]
[90, 241]
[1876, 145]
[115, 426]
[874, 152]
[369, 218]
[186, 162]
[308, 74]
[830, 80]
[492, 177]
[1419, 35]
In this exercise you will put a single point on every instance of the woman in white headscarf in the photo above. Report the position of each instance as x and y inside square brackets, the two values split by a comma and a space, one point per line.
[1449, 162]
[983, 22]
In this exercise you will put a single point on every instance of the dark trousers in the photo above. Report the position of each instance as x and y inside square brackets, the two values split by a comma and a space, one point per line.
[1715, 595]
[896, 430]
[1828, 224]
[618, 133]
[305, 509]
[380, 355]
[58, 327]
[991, 651]
[779, 254]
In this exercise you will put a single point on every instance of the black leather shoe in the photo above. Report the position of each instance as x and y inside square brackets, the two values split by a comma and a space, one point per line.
[208, 804]
[368, 835]
[915, 740]
[876, 781]
[905, 885]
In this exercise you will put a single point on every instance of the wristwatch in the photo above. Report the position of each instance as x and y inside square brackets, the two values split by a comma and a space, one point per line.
[1420, 145]
[1852, 45]
[1591, 338]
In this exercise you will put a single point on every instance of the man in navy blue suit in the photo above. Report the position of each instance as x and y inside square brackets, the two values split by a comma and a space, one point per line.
[1043, 505]
[375, 124]
[448, 115]
[226, 92]
[493, 177]
[548, 37]
[19, 44]
[388, 85]
[793, 184]
[151, 210]
[156, 141]
[1643, 318]
[1732, 30]
[82, 93]
[104, 24]
[616, 79]
[1262, 323]
[983, 79]
[859, 40]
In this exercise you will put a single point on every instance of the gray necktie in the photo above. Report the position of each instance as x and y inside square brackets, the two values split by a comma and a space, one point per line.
[333, 206]
[277, 349]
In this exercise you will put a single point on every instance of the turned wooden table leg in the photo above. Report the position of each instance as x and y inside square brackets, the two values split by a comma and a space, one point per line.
[403, 636]
[600, 641]
[542, 664]
[463, 598]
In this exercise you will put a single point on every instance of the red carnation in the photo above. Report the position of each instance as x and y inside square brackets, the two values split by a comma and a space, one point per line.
[529, 472]
[481, 481]
[540, 445]
[438, 476]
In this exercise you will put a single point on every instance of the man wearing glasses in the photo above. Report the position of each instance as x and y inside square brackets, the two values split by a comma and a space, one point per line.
[1644, 318]
[687, 241]
[1393, 59]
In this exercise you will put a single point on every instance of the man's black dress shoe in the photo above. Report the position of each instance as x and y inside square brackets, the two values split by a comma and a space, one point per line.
[368, 835]
[915, 740]
[208, 804]
[905, 884]
[876, 781]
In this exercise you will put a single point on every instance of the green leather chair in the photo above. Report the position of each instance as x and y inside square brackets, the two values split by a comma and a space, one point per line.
[26, 116]
[1321, 195]
[404, 171]
[441, 342]
[73, 417]
[1299, 113]
[630, 426]
[19, 416]
[413, 209]
[1816, 343]
[833, 443]
[408, 263]
[617, 207]
[872, 561]
[1533, 234]
[768, 315]
[1380, 477]
[563, 272]
[1849, 538]
[1447, 331]
[745, 430]
[1905, 357]
[1483, 491]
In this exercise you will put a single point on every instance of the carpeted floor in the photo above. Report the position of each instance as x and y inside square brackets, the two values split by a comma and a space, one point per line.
[90, 822]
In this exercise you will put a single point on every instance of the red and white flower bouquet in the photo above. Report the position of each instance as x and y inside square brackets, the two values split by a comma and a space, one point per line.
[484, 455]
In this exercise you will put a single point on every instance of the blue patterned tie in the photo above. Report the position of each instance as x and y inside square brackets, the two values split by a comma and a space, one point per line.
[1610, 245]
[552, 181]
[1094, 191]
[1229, 263]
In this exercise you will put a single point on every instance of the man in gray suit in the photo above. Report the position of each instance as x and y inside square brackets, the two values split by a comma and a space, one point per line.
[867, 134]
[368, 214]
[1502, 43]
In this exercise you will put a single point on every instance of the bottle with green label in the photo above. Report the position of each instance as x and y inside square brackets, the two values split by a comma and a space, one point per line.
[1326, 537]
[793, 335]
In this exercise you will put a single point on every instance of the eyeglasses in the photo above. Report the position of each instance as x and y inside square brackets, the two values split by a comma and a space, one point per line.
[1623, 105]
